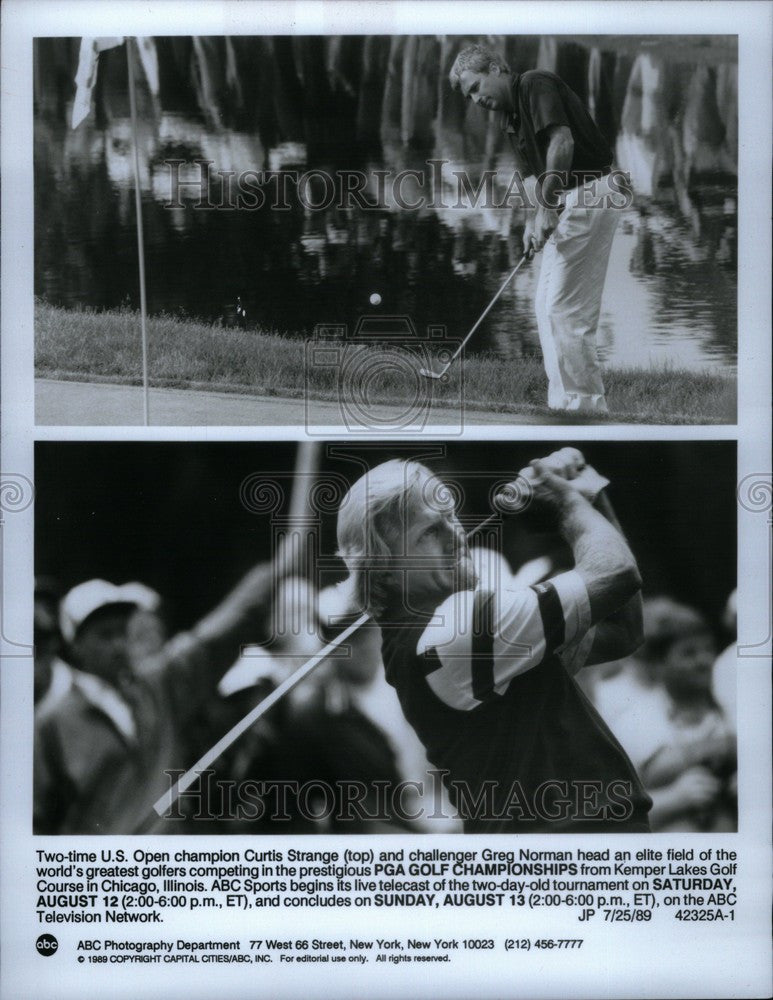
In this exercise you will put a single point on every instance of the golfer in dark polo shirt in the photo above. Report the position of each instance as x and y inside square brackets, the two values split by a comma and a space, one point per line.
[484, 669]
[555, 141]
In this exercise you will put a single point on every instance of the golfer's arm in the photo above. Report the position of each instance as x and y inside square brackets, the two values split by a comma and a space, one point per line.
[621, 633]
[558, 162]
[601, 556]
[235, 621]
[528, 180]
[196, 660]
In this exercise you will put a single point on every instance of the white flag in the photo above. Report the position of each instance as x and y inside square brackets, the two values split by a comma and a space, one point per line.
[86, 76]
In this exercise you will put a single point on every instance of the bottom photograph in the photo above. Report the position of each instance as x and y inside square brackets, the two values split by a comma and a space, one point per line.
[427, 637]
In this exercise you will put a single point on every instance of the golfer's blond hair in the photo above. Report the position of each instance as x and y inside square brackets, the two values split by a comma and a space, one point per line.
[371, 521]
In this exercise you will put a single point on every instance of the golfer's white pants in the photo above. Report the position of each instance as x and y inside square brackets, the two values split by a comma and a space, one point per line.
[568, 300]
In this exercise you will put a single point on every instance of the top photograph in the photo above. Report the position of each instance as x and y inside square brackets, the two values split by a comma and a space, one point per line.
[385, 235]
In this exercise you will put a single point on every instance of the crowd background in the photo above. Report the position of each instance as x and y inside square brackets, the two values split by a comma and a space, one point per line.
[177, 525]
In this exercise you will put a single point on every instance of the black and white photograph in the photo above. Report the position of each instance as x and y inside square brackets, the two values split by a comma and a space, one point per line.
[384, 232]
[520, 640]
[385, 499]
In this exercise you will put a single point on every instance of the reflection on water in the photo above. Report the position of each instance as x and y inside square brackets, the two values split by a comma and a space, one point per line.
[670, 295]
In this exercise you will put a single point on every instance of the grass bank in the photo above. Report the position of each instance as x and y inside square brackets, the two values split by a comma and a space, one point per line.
[105, 346]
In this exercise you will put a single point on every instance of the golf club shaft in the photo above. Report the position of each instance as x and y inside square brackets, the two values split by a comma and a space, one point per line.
[486, 311]
[168, 799]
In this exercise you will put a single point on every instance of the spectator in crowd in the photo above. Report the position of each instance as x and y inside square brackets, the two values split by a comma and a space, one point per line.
[52, 676]
[626, 687]
[682, 745]
[102, 749]
[724, 679]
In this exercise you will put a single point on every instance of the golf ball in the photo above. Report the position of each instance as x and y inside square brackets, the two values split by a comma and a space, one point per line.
[375, 299]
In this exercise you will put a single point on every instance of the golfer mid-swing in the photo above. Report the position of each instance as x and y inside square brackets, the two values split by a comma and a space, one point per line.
[484, 676]
[555, 140]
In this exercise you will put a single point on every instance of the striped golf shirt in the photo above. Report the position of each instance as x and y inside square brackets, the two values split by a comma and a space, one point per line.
[487, 684]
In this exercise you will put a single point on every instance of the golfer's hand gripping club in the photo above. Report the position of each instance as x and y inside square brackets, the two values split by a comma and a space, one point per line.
[567, 464]
[539, 228]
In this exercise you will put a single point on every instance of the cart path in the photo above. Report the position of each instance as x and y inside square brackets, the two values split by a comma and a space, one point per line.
[65, 403]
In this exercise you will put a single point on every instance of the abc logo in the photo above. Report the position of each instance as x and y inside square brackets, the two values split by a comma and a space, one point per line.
[46, 944]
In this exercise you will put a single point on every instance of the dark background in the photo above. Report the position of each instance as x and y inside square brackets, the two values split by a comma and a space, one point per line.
[170, 514]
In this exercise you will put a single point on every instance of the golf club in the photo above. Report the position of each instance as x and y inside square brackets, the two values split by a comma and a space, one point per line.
[428, 373]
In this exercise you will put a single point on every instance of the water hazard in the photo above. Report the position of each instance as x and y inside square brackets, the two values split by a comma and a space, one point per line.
[670, 296]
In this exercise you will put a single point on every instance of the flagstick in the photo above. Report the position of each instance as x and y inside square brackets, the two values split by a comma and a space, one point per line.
[140, 238]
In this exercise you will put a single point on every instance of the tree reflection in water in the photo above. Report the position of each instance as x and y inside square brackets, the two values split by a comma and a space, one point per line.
[668, 105]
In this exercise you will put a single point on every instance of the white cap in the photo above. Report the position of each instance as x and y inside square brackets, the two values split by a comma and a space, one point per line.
[83, 600]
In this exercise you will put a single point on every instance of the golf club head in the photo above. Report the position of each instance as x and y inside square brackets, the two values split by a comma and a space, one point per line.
[429, 374]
